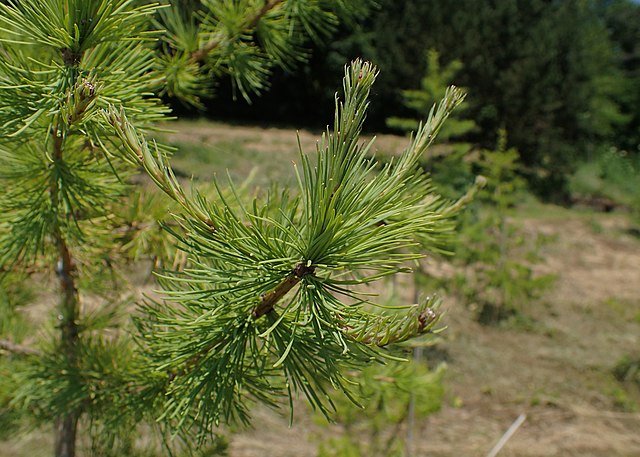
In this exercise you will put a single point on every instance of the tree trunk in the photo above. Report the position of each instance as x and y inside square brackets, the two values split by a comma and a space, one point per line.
[66, 426]
[65, 435]
[69, 310]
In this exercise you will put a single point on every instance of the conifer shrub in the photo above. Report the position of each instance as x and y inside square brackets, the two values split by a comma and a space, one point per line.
[499, 280]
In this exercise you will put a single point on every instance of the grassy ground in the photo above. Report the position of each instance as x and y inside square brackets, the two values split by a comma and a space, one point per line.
[556, 369]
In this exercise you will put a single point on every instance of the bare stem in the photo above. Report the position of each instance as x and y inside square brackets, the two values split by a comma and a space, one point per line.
[269, 300]
[66, 425]
[17, 349]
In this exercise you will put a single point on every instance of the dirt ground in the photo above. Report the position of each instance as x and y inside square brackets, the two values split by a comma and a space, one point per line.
[266, 139]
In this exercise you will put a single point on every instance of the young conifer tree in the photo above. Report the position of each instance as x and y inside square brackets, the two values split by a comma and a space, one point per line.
[499, 278]
[62, 62]
[269, 304]
[433, 86]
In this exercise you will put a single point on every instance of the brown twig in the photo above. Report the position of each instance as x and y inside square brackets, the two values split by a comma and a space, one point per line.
[266, 306]
[71, 58]
[268, 6]
[269, 300]
[65, 426]
[17, 349]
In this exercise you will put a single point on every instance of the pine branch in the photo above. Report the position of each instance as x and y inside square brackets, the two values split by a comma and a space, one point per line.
[384, 330]
[249, 24]
[350, 222]
[156, 165]
[18, 349]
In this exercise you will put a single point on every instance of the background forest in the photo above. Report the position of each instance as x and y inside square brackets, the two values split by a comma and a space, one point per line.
[561, 77]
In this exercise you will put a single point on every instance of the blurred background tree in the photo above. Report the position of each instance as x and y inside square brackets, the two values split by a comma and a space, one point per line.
[622, 18]
[560, 77]
[498, 281]
[432, 88]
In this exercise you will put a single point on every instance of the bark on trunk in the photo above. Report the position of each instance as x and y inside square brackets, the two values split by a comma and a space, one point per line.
[66, 426]
[69, 310]
[65, 444]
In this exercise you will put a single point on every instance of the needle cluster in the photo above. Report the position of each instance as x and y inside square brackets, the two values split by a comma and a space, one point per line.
[277, 298]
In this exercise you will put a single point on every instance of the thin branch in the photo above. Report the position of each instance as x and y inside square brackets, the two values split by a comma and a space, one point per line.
[269, 300]
[250, 24]
[200, 54]
[17, 349]
[155, 165]
[268, 6]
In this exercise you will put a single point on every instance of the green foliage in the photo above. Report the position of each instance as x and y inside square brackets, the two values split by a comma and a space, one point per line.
[613, 176]
[275, 290]
[47, 105]
[272, 300]
[500, 167]
[499, 278]
[63, 62]
[62, 176]
[243, 40]
[626, 372]
[433, 86]
[548, 72]
[386, 393]
[11, 419]
[627, 369]
[451, 172]
[500, 282]
[92, 382]
[15, 293]
[141, 233]
[622, 18]
[449, 167]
